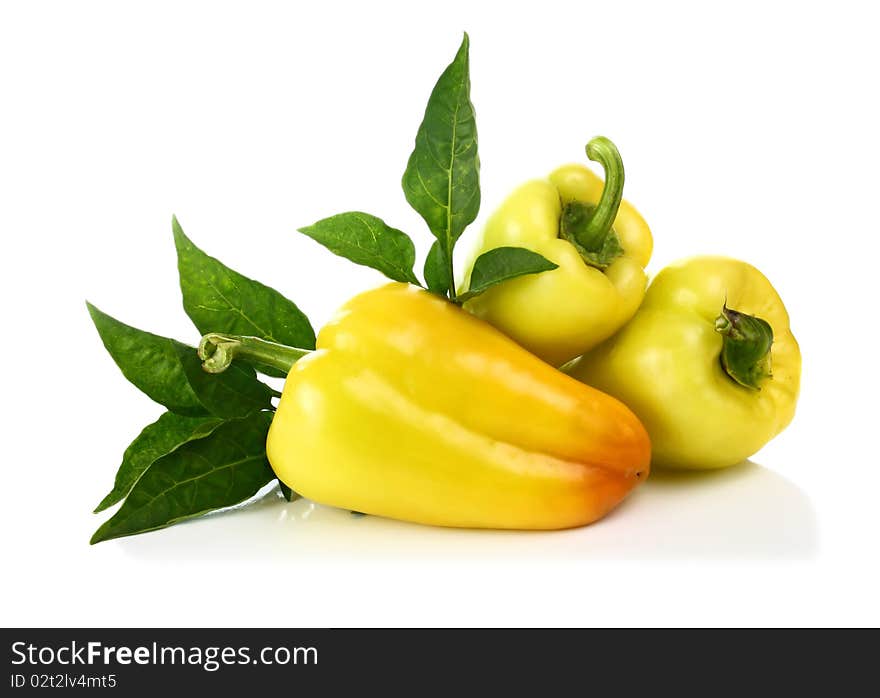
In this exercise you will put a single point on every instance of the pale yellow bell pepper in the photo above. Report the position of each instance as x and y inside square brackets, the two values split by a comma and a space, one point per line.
[600, 280]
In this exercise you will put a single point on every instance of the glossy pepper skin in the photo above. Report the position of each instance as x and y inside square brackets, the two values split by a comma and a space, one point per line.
[413, 409]
[560, 314]
[667, 364]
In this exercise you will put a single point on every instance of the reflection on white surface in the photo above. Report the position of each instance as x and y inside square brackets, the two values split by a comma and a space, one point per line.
[745, 512]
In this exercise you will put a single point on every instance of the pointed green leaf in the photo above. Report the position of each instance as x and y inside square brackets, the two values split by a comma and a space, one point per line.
[220, 470]
[150, 362]
[437, 271]
[503, 263]
[442, 177]
[157, 439]
[367, 240]
[219, 299]
[171, 373]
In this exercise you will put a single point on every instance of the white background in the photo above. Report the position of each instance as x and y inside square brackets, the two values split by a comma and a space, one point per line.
[751, 131]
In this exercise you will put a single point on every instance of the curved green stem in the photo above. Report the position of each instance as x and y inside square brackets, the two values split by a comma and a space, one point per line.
[603, 151]
[217, 352]
[745, 352]
[589, 227]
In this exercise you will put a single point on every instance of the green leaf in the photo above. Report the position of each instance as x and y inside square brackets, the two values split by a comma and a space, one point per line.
[219, 299]
[161, 437]
[367, 240]
[503, 263]
[150, 362]
[442, 177]
[220, 470]
[235, 392]
[171, 373]
[437, 271]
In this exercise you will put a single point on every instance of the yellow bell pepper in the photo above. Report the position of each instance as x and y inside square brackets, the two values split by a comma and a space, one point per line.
[413, 409]
[709, 364]
[600, 243]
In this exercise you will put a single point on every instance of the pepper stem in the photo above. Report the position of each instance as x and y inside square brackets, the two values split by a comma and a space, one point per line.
[603, 151]
[217, 352]
[589, 227]
[745, 352]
